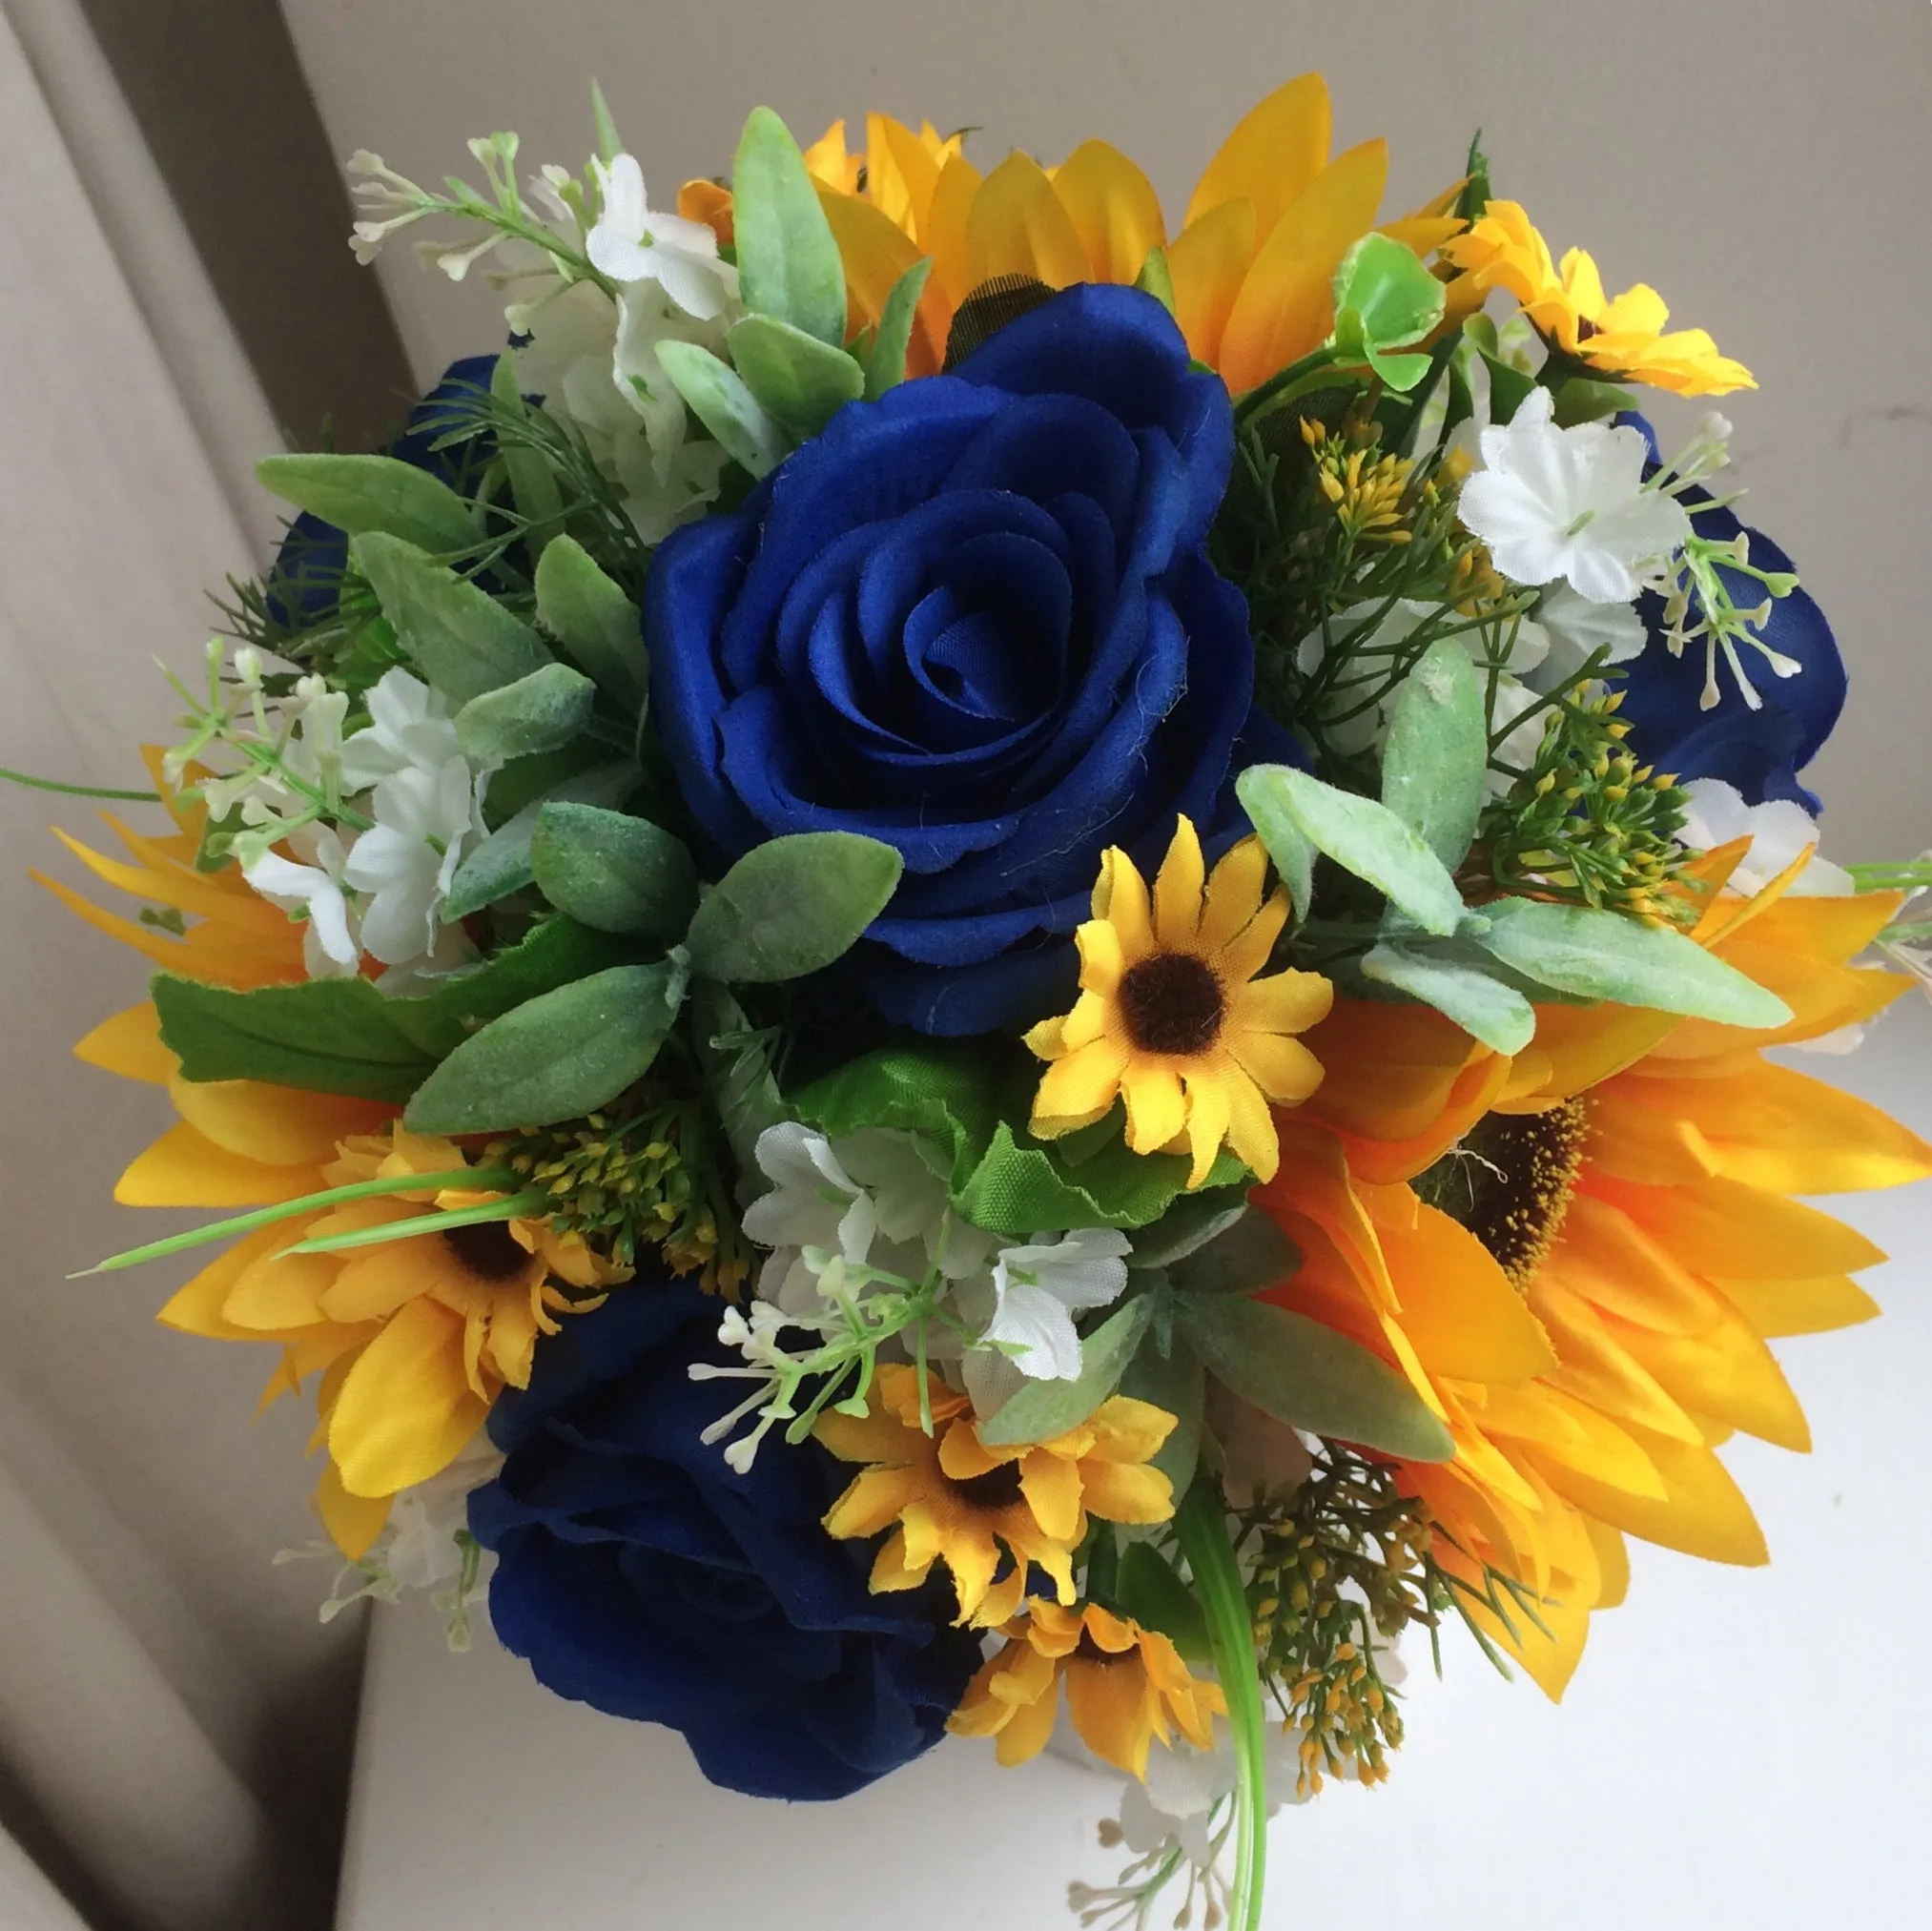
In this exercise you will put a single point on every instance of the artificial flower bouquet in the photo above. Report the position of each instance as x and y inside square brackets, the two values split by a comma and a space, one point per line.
[967, 966]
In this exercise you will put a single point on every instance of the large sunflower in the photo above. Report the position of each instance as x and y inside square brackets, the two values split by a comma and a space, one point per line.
[1578, 1257]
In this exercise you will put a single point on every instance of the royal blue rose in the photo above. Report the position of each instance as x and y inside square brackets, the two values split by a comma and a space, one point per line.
[975, 619]
[1759, 748]
[636, 1573]
[305, 581]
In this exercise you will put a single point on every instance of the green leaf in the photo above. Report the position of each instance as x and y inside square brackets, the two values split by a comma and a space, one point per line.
[1287, 844]
[541, 712]
[1147, 1588]
[967, 1099]
[1177, 1382]
[589, 615]
[361, 494]
[886, 367]
[1365, 837]
[1045, 1408]
[788, 265]
[1438, 751]
[721, 401]
[533, 483]
[1384, 299]
[737, 1059]
[609, 142]
[615, 872]
[1156, 279]
[1497, 1014]
[502, 863]
[566, 1052]
[1192, 1222]
[460, 637]
[794, 377]
[342, 1035]
[1584, 400]
[1248, 1255]
[1310, 1377]
[792, 906]
[1603, 955]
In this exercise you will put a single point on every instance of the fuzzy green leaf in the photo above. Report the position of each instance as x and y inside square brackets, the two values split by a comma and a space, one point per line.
[1486, 1009]
[541, 712]
[1310, 1377]
[589, 615]
[721, 401]
[615, 872]
[792, 906]
[502, 863]
[1603, 955]
[360, 494]
[788, 265]
[886, 367]
[459, 637]
[1177, 1382]
[1190, 1224]
[1147, 1589]
[342, 1035]
[1438, 751]
[1246, 1257]
[558, 1056]
[1366, 839]
[1043, 1409]
[533, 483]
[796, 378]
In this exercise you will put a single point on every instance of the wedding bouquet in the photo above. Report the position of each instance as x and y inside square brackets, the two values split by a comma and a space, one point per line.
[960, 964]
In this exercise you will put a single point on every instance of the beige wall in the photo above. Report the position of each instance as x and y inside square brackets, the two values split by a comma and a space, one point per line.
[1763, 163]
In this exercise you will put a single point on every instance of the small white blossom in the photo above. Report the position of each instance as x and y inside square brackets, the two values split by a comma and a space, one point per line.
[1779, 831]
[1572, 628]
[330, 945]
[425, 820]
[1039, 1287]
[1570, 505]
[631, 243]
[410, 727]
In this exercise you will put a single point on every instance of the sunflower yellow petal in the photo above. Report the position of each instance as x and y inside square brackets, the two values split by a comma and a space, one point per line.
[1177, 891]
[405, 1411]
[1273, 156]
[1234, 895]
[130, 1044]
[1285, 1070]
[1207, 263]
[1157, 1108]
[1112, 208]
[1017, 226]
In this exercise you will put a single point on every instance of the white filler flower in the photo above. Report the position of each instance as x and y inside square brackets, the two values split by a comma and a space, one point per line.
[1043, 1286]
[1570, 504]
[630, 242]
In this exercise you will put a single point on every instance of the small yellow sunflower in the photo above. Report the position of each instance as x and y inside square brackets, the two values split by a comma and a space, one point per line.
[1125, 1686]
[1172, 1018]
[956, 1500]
[1622, 335]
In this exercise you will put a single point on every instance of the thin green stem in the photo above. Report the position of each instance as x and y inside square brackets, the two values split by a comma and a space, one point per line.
[1906, 875]
[1201, 1524]
[508, 1209]
[34, 784]
[289, 1210]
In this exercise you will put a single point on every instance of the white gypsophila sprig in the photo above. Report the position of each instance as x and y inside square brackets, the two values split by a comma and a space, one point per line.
[312, 885]
[1570, 505]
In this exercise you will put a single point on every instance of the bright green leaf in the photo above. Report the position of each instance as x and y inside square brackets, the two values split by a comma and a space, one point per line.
[796, 377]
[1043, 1409]
[609, 142]
[1364, 836]
[1399, 301]
[461, 639]
[360, 494]
[1246, 1257]
[1438, 751]
[1603, 955]
[886, 368]
[1156, 279]
[589, 615]
[792, 906]
[721, 401]
[541, 712]
[1497, 1014]
[566, 1052]
[1310, 1376]
[615, 872]
[788, 265]
[342, 1035]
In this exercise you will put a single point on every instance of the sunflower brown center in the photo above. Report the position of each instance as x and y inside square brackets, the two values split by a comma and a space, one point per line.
[997, 1488]
[1508, 1182]
[487, 1250]
[1172, 1003]
[1586, 329]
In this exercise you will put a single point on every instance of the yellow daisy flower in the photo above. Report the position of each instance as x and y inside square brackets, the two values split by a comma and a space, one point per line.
[1621, 337]
[1172, 1018]
[1125, 1686]
[949, 1497]
[413, 1338]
